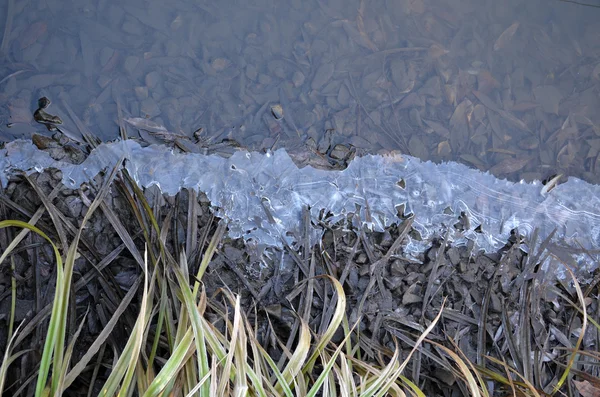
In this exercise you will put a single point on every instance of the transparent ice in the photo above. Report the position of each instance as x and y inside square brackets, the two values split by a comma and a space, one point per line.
[241, 188]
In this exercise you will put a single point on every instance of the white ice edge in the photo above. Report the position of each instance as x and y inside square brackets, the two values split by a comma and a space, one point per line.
[240, 186]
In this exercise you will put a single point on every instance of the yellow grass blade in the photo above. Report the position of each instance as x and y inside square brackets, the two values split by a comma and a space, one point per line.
[336, 320]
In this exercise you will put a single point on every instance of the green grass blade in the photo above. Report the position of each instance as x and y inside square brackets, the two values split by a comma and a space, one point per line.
[197, 327]
[50, 342]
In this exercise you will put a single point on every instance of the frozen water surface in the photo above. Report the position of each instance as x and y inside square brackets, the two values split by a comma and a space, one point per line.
[374, 187]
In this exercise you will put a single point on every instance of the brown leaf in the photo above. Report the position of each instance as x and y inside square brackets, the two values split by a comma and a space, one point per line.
[549, 97]
[486, 101]
[417, 148]
[486, 82]
[506, 36]
[508, 166]
[33, 33]
[524, 106]
[322, 75]
[596, 72]
[490, 104]
[437, 128]
[469, 158]
[451, 91]
[586, 389]
[461, 115]
[436, 51]
[444, 148]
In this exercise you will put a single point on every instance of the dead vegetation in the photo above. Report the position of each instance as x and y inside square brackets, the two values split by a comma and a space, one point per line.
[109, 290]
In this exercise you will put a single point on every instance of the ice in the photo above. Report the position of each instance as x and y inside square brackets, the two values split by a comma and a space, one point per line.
[241, 188]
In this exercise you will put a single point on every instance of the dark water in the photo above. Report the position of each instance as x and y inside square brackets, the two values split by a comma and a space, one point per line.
[507, 86]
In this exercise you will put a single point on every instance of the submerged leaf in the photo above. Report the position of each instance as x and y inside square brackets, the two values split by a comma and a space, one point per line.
[506, 36]
[549, 97]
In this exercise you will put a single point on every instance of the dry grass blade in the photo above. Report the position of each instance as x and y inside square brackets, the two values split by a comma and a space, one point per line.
[101, 339]
[526, 385]
[287, 391]
[575, 352]
[464, 360]
[384, 376]
[208, 254]
[413, 387]
[241, 354]
[336, 320]
[298, 359]
[171, 368]
[8, 359]
[52, 211]
[327, 368]
[122, 371]
[69, 352]
[58, 320]
[476, 386]
[197, 327]
[390, 380]
[138, 333]
[13, 299]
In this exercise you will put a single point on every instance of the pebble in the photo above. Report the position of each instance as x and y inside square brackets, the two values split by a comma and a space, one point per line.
[74, 205]
[454, 256]
[31, 53]
[361, 259]
[277, 111]
[220, 64]
[298, 79]
[57, 175]
[409, 298]
[104, 80]
[398, 268]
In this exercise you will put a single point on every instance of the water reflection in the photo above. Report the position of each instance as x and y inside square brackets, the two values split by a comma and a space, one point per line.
[507, 86]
